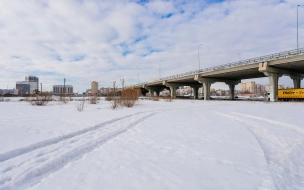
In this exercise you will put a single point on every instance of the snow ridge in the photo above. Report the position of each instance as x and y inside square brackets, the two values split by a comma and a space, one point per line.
[46, 157]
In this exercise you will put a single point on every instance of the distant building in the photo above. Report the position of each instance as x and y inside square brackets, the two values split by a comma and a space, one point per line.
[260, 89]
[23, 88]
[8, 91]
[34, 83]
[61, 89]
[29, 86]
[94, 88]
[280, 86]
[248, 87]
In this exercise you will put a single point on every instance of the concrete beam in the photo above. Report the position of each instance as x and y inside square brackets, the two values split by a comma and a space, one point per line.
[213, 80]
[264, 67]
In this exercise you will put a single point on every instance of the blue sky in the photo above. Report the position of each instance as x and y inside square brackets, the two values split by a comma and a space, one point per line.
[109, 40]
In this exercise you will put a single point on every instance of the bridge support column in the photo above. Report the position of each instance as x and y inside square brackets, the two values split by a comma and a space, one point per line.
[231, 88]
[296, 81]
[207, 85]
[273, 85]
[208, 81]
[172, 87]
[151, 91]
[195, 89]
[157, 90]
[173, 91]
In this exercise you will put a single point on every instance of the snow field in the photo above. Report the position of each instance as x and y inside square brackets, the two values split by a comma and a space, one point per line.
[155, 145]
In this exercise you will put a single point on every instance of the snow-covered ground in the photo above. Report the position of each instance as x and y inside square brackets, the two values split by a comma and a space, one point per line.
[184, 144]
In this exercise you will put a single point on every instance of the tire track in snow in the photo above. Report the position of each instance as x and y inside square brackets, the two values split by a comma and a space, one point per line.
[19, 151]
[284, 156]
[286, 125]
[38, 162]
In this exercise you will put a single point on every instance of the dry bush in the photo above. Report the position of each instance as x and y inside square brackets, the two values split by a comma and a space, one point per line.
[94, 99]
[168, 98]
[63, 99]
[114, 104]
[1, 99]
[110, 96]
[40, 100]
[129, 97]
[155, 98]
[80, 105]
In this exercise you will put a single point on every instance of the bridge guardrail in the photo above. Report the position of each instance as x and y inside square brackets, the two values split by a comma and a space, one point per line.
[270, 57]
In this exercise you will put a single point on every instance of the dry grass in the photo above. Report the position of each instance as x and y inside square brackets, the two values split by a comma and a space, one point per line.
[155, 98]
[168, 98]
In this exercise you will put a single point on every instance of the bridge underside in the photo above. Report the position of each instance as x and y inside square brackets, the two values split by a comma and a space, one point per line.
[291, 65]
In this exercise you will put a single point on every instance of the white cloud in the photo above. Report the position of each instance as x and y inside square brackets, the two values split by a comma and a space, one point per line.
[109, 40]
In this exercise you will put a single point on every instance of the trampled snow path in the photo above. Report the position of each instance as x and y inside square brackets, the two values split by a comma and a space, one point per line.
[283, 149]
[26, 166]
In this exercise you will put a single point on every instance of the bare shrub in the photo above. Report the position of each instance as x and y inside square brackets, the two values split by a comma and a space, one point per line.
[63, 99]
[94, 99]
[168, 98]
[114, 104]
[129, 97]
[1, 99]
[155, 98]
[110, 96]
[80, 105]
[40, 100]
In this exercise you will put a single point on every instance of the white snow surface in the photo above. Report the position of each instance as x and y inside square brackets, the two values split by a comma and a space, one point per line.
[184, 144]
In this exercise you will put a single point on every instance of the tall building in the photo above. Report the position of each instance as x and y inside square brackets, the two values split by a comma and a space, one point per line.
[94, 88]
[59, 89]
[34, 83]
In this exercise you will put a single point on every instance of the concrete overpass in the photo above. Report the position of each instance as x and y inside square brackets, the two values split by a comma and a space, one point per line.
[273, 66]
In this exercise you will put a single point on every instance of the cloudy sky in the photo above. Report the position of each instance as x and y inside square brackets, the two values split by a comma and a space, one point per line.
[109, 40]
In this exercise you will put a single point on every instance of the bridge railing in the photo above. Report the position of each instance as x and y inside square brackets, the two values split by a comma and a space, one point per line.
[270, 57]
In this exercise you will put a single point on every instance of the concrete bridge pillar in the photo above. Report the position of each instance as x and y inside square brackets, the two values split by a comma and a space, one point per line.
[151, 91]
[207, 85]
[296, 81]
[173, 91]
[172, 87]
[273, 85]
[195, 90]
[231, 88]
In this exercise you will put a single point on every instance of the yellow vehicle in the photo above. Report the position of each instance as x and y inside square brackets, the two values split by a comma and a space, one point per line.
[291, 94]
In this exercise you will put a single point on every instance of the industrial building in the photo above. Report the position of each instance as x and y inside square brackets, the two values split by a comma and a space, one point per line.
[63, 89]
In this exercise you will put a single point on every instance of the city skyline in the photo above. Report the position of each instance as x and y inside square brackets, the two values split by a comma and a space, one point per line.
[106, 41]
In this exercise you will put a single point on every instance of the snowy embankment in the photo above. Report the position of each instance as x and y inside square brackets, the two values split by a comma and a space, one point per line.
[184, 144]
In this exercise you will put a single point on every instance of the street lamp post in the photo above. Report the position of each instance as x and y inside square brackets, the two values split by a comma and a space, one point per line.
[298, 29]
[199, 62]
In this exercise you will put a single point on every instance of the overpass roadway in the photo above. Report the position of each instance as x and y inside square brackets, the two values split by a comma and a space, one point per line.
[273, 66]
